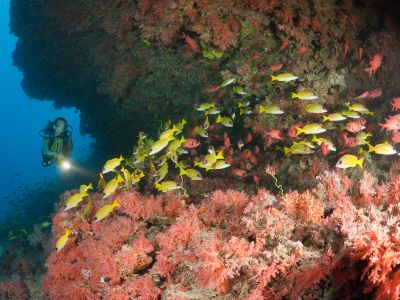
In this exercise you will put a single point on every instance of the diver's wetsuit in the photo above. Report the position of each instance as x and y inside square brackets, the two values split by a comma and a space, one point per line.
[55, 145]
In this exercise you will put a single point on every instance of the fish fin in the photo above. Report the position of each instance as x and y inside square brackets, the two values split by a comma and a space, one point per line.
[286, 150]
[360, 162]
[273, 78]
[219, 119]
[294, 95]
[370, 148]
[299, 130]
[325, 118]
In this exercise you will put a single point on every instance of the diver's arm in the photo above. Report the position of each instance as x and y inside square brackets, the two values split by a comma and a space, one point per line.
[46, 150]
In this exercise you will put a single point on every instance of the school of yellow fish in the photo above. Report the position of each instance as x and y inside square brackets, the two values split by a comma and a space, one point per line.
[151, 158]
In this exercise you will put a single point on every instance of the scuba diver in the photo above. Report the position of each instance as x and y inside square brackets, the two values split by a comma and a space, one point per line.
[57, 142]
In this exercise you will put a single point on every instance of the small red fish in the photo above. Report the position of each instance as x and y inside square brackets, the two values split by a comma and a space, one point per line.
[248, 138]
[275, 67]
[238, 172]
[352, 142]
[246, 153]
[190, 143]
[360, 53]
[256, 150]
[301, 50]
[285, 43]
[256, 179]
[253, 159]
[255, 57]
[324, 149]
[275, 134]
[354, 126]
[212, 89]
[346, 47]
[229, 160]
[396, 137]
[392, 123]
[191, 42]
[374, 64]
[227, 140]
[363, 95]
[374, 93]
[395, 103]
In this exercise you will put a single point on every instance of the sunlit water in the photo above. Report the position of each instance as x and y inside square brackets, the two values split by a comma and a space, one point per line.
[21, 119]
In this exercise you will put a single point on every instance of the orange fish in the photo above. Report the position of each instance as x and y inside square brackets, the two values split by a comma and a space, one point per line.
[238, 172]
[256, 150]
[346, 47]
[190, 143]
[374, 93]
[324, 149]
[374, 64]
[191, 42]
[354, 126]
[227, 140]
[275, 67]
[301, 50]
[396, 104]
[396, 137]
[363, 95]
[360, 53]
[256, 179]
[248, 138]
[246, 153]
[212, 89]
[285, 43]
[255, 57]
[275, 134]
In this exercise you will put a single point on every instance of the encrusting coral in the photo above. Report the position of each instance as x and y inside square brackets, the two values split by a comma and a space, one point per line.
[244, 246]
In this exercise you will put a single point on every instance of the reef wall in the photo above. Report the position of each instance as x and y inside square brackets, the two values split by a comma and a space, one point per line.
[120, 62]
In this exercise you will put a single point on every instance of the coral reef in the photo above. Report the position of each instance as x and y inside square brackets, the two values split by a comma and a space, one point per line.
[333, 240]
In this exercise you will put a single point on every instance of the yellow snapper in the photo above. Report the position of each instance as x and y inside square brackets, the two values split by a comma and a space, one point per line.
[101, 183]
[313, 128]
[363, 136]
[88, 209]
[383, 148]
[173, 146]
[285, 77]
[211, 158]
[314, 108]
[219, 164]
[304, 95]
[307, 143]
[180, 126]
[349, 161]
[227, 81]
[193, 174]
[112, 186]
[335, 117]
[206, 123]
[238, 90]
[62, 241]
[243, 104]
[245, 111]
[205, 106]
[111, 164]
[270, 109]
[136, 176]
[167, 134]
[167, 186]
[358, 107]
[85, 188]
[298, 149]
[350, 114]
[127, 177]
[212, 111]
[226, 121]
[321, 140]
[105, 211]
[74, 200]
[201, 131]
[160, 144]
[162, 172]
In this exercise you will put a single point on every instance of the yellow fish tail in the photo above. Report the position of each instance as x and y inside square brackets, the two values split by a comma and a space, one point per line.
[325, 118]
[273, 78]
[314, 139]
[219, 119]
[116, 203]
[360, 162]
[370, 148]
[220, 155]
[371, 113]
[294, 95]
[261, 109]
[299, 130]
[286, 150]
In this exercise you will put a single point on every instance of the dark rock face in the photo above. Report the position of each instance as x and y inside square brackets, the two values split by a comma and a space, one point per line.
[125, 66]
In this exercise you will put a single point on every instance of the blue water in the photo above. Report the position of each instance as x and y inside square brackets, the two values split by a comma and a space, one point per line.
[21, 118]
